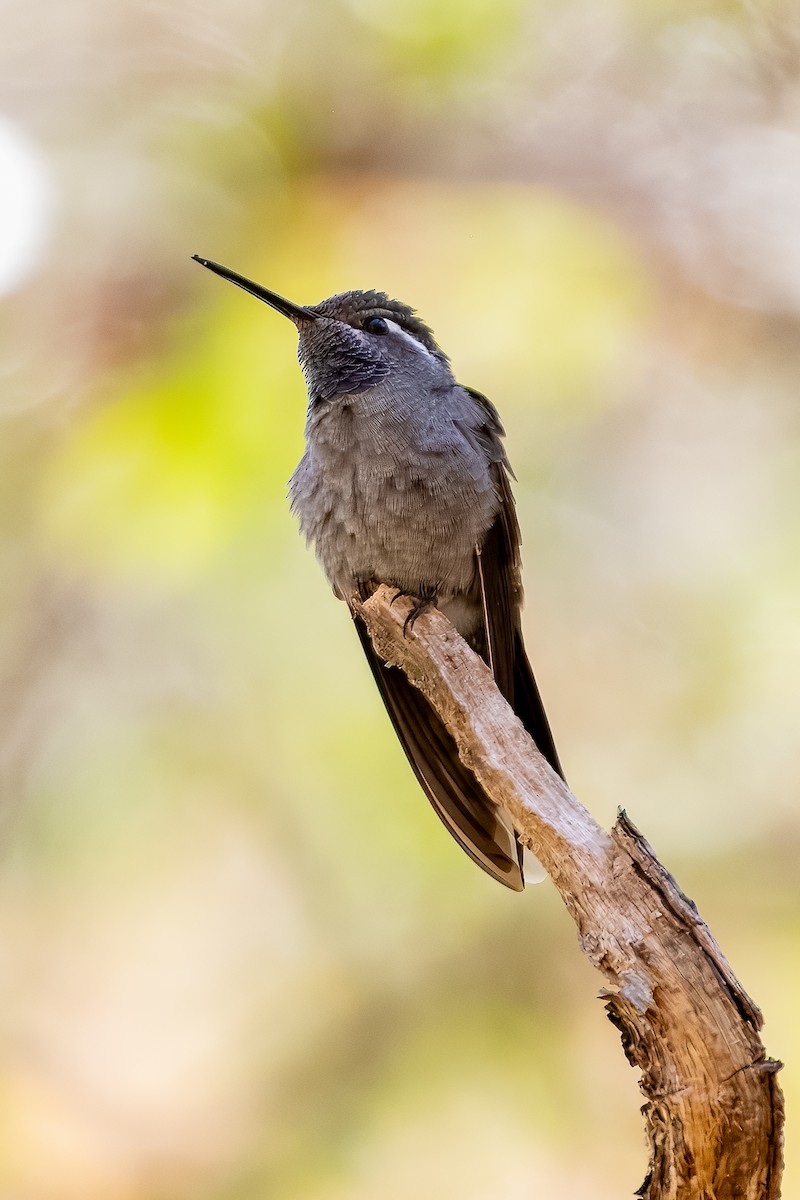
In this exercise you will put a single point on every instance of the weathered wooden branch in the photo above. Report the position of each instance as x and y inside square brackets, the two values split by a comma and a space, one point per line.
[714, 1111]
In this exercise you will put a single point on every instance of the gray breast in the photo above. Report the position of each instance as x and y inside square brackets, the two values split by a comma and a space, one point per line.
[396, 488]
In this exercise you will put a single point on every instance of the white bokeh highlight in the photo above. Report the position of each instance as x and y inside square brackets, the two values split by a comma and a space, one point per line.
[27, 205]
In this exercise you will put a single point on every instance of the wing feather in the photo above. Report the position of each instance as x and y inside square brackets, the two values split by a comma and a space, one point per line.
[502, 603]
[457, 797]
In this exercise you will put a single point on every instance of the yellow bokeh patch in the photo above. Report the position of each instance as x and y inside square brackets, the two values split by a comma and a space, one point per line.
[162, 479]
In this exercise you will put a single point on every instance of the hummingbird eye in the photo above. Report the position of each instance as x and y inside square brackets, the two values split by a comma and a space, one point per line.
[376, 325]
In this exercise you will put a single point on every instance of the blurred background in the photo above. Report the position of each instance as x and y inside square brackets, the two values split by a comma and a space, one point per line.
[240, 956]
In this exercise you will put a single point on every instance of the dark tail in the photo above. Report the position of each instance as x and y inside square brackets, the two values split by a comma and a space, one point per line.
[457, 797]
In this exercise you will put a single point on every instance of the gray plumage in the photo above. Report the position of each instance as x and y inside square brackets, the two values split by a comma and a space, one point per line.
[404, 481]
[396, 484]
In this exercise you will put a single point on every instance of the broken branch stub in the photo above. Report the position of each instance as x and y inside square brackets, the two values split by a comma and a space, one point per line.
[714, 1111]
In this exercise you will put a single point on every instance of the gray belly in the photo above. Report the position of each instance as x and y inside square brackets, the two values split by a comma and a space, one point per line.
[413, 528]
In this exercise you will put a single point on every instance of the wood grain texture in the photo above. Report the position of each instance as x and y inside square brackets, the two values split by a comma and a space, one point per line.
[714, 1110]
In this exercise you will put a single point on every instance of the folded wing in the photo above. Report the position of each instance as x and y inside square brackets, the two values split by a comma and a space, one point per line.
[459, 800]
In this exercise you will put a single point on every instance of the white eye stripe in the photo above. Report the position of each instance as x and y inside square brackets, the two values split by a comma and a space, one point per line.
[408, 337]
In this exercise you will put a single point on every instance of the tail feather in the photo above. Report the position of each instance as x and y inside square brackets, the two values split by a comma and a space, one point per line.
[457, 797]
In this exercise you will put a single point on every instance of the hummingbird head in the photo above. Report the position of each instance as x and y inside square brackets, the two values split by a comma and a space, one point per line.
[352, 341]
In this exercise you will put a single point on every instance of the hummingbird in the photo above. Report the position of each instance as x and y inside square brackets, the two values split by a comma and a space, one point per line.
[405, 481]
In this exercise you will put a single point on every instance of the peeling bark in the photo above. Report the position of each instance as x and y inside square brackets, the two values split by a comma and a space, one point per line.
[714, 1110]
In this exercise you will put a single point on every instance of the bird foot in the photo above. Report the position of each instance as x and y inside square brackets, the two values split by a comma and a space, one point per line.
[423, 600]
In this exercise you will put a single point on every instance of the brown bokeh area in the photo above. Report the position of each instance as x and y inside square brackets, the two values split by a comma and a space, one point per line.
[240, 957]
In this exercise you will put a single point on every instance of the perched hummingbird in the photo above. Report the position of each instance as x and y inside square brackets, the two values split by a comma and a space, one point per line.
[405, 481]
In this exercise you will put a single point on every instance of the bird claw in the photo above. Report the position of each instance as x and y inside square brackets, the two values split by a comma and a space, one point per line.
[422, 603]
[416, 611]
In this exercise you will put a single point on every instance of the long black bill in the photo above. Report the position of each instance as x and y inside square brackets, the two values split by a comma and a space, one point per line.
[295, 312]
